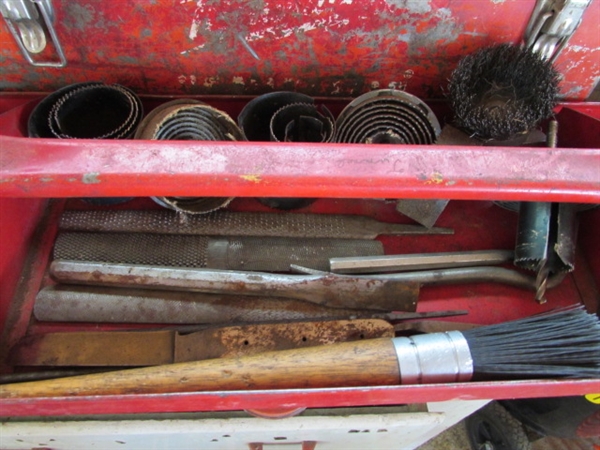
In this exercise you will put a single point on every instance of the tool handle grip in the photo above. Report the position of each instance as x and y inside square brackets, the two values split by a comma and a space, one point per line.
[360, 363]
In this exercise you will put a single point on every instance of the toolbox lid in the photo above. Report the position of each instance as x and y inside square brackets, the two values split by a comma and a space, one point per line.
[321, 48]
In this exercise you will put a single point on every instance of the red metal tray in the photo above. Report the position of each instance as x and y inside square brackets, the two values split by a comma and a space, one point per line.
[335, 49]
[33, 170]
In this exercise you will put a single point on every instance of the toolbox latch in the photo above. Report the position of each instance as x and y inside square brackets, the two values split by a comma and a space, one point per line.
[29, 21]
[552, 24]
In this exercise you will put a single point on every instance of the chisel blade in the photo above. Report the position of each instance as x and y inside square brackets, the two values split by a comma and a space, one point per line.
[148, 348]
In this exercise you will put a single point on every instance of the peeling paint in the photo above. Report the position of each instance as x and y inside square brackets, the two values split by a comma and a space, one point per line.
[210, 81]
[579, 48]
[252, 178]
[435, 178]
[337, 87]
[573, 92]
[90, 178]
[315, 42]
[412, 6]
[398, 85]
[265, 22]
[79, 16]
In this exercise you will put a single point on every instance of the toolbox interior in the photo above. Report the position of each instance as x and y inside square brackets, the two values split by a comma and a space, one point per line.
[29, 226]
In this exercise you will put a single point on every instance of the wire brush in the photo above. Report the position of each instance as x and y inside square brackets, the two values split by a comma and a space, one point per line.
[502, 91]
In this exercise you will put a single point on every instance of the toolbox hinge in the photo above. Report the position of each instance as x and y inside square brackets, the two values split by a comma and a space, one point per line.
[29, 21]
[552, 24]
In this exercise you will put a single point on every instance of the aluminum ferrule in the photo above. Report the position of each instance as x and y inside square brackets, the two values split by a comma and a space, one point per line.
[434, 358]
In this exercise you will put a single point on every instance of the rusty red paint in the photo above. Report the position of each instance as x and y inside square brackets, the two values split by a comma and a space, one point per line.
[330, 48]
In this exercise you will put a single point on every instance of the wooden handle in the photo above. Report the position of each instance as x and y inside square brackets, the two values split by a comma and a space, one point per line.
[362, 363]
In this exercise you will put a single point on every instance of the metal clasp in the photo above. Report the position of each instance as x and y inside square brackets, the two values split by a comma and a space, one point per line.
[552, 24]
[29, 21]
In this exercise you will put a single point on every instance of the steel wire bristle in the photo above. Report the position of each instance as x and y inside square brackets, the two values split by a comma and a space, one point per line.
[501, 91]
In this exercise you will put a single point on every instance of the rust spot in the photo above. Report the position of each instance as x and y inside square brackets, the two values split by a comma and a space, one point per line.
[252, 178]
[435, 178]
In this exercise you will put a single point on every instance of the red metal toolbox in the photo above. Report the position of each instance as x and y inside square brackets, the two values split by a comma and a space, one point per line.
[227, 52]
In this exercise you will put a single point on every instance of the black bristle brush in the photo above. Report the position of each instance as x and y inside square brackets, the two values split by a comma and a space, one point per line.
[502, 91]
[565, 343]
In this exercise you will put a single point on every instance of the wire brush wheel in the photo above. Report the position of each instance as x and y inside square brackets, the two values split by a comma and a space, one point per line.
[502, 91]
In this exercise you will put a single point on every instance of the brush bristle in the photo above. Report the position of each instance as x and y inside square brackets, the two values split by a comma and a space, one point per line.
[502, 91]
[565, 343]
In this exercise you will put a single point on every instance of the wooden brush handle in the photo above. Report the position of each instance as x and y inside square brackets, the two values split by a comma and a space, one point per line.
[361, 363]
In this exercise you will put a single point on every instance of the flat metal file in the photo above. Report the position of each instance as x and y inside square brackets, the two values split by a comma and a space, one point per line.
[148, 348]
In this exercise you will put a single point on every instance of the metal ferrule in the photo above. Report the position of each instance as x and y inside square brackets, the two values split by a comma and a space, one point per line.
[434, 358]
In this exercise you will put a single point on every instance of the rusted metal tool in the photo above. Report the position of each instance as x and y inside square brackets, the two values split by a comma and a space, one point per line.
[88, 110]
[546, 234]
[227, 223]
[418, 261]
[270, 254]
[148, 348]
[95, 111]
[186, 119]
[71, 303]
[256, 121]
[387, 116]
[461, 275]
[425, 212]
[255, 118]
[546, 240]
[302, 122]
[502, 91]
[66, 303]
[338, 291]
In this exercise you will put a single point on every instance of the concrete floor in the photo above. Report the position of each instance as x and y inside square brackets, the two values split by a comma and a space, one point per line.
[455, 438]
